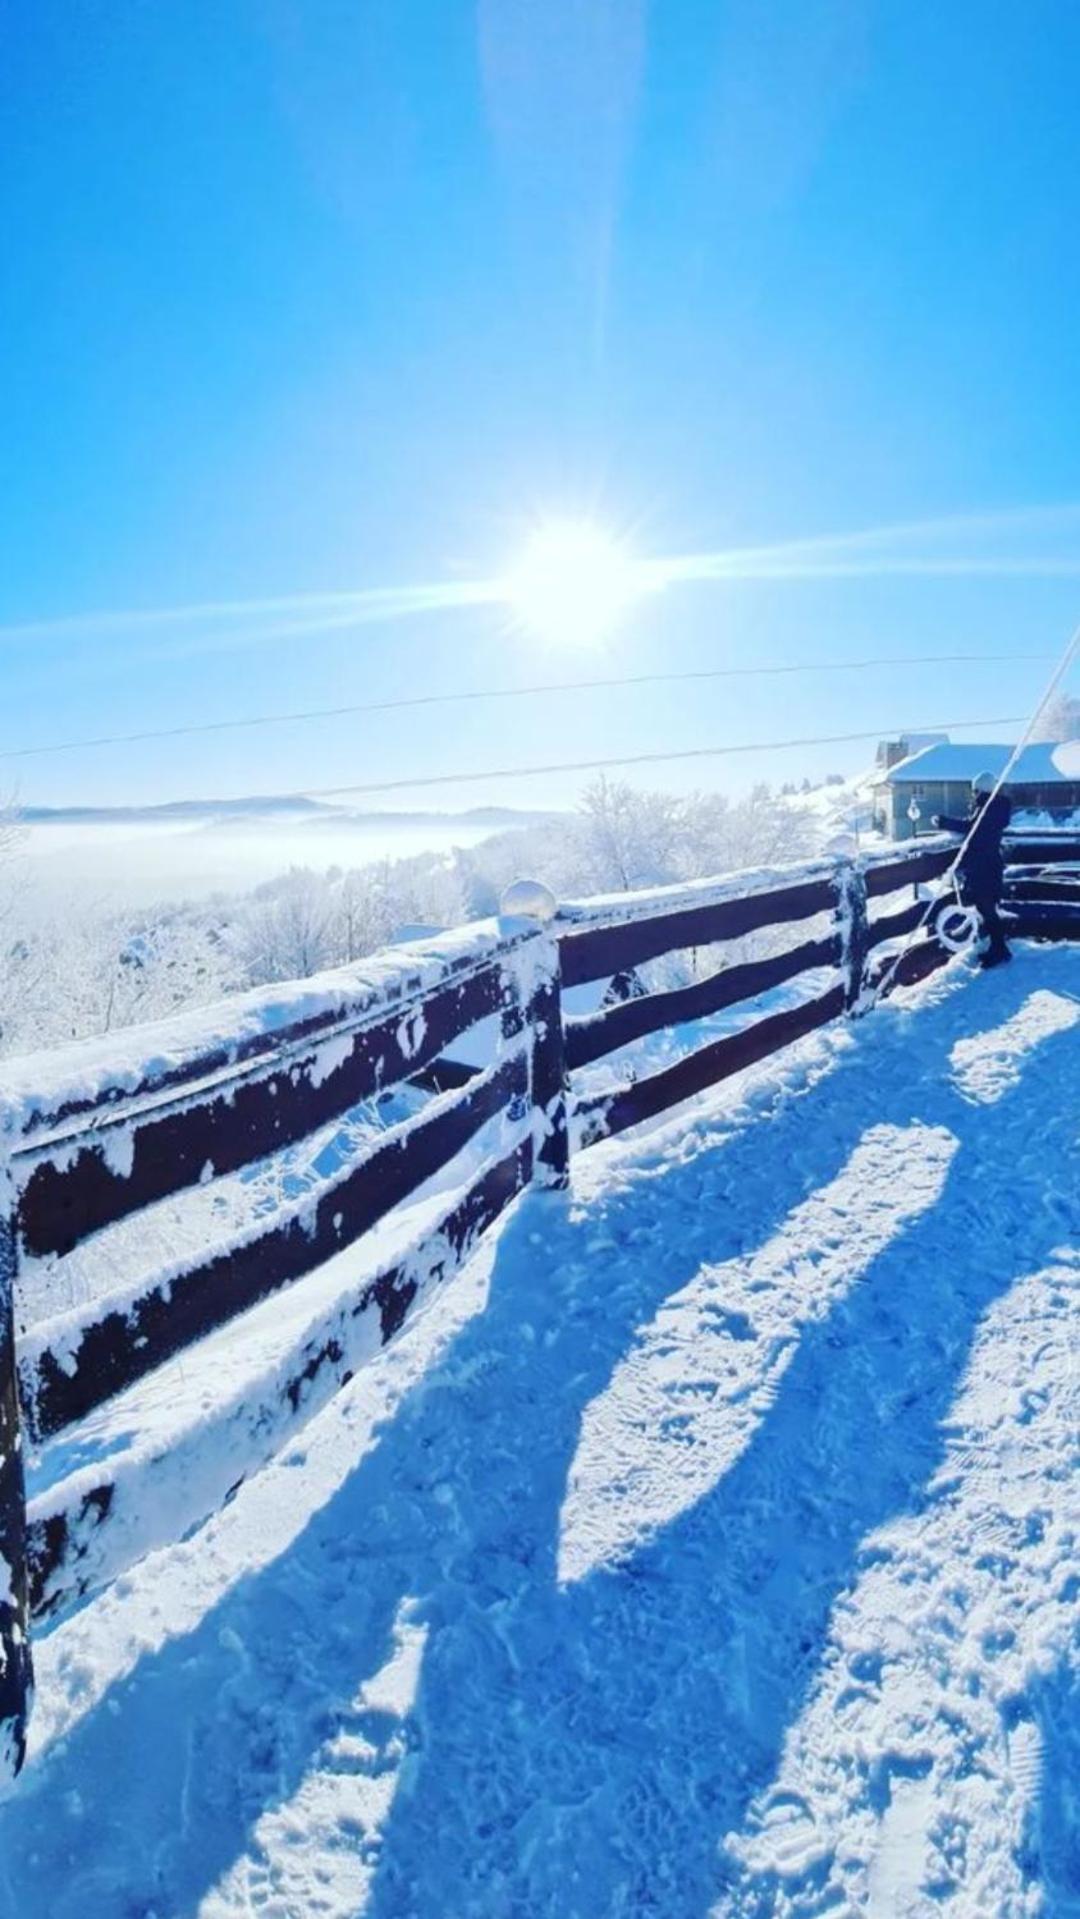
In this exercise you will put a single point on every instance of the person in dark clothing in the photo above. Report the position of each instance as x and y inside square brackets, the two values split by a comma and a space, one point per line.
[982, 867]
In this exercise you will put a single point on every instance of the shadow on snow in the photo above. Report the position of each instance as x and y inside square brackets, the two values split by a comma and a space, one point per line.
[579, 1750]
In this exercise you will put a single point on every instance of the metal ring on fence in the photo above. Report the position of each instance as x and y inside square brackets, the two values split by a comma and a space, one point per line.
[957, 927]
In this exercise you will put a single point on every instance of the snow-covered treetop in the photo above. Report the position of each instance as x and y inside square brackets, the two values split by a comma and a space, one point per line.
[39, 1088]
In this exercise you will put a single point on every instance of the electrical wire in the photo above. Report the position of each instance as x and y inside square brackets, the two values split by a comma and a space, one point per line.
[626, 760]
[414, 701]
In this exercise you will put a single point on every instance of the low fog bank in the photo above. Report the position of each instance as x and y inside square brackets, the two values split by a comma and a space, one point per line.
[106, 920]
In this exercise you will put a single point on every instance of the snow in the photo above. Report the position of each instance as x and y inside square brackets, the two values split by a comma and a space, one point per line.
[651, 1054]
[707, 1547]
[317, 1852]
[1042, 764]
[37, 1086]
[528, 900]
[176, 1444]
[332, 1057]
[684, 1403]
[144, 1251]
[611, 909]
[932, 1762]
[1031, 820]
[986, 1065]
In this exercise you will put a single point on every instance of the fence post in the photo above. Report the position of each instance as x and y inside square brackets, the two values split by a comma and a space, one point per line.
[529, 901]
[16, 1674]
[854, 929]
[549, 1071]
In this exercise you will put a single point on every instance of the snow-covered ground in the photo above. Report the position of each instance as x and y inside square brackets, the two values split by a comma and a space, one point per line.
[708, 1548]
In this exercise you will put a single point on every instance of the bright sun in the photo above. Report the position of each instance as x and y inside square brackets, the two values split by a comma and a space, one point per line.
[573, 583]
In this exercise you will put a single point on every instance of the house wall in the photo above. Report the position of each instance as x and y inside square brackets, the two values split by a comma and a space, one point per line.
[953, 797]
[932, 796]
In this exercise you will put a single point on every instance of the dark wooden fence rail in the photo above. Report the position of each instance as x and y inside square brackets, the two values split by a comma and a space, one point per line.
[599, 940]
[78, 1161]
[89, 1143]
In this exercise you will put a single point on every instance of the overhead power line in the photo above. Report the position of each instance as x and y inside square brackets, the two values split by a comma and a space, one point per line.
[633, 759]
[413, 701]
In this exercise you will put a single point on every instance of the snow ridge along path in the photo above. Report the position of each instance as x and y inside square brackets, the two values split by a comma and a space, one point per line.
[708, 1548]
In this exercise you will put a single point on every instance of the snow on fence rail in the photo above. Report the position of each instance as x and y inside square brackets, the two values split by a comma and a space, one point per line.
[94, 1134]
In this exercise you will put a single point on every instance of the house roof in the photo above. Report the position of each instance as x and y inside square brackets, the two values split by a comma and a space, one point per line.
[1041, 765]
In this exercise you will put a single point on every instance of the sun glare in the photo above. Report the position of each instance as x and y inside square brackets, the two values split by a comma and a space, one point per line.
[572, 583]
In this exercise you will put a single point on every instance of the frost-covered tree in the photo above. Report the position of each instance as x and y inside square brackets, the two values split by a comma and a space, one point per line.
[287, 931]
[62, 978]
[622, 838]
[631, 838]
[427, 890]
[67, 978]
[20, 959]
[363, 913]
[12, 833]
[762, 829]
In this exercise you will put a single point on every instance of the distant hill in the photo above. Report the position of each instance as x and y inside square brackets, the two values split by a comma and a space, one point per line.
[269, 806]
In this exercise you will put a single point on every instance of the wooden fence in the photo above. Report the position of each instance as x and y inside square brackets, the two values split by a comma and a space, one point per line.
[97, 1133]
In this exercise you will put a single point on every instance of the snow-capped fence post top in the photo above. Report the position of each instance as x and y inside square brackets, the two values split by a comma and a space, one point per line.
[532, 902]
[528, 900]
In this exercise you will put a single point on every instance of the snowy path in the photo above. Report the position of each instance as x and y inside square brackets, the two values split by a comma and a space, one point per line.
[708, 1549]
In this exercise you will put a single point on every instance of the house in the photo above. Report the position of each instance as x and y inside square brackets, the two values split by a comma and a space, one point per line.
[891, 752]
[939, 779]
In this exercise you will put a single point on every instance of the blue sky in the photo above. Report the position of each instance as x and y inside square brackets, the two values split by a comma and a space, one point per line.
[313, 298]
